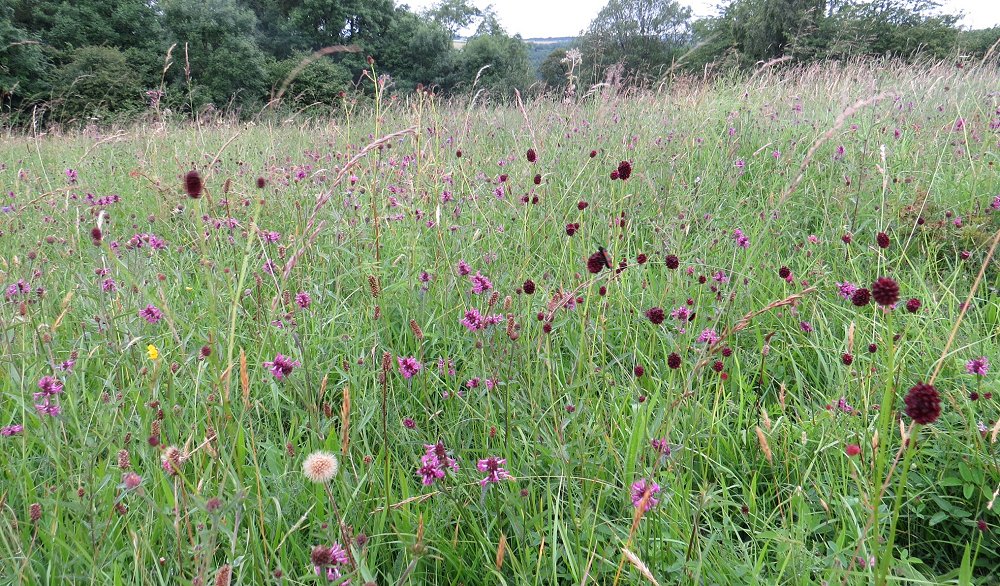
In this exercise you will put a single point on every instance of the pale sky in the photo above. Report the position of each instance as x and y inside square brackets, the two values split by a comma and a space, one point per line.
[566, 18]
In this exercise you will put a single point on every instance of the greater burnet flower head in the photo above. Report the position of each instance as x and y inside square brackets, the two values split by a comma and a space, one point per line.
[192, 184]
[923, 403]
[531, 156]
[644, 494]
[493, 467]
[655, 315]
[320, 467]
[978, 366]
[281, 366]
[409, 366]
[885, 291]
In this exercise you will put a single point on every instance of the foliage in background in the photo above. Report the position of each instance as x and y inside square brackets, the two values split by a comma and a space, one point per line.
[230, 55]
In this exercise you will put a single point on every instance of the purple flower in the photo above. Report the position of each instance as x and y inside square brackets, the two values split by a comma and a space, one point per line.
[806, 326]
[50, 386]
[474, 321]
[721, 277]
[281, 366]
[108, 285]
[978, 366]
[151, 314]
[480, 284]
[409, 366]
[303, 299]
[429, 471]
[269, 267]
[708, 336]
[11, 430]
[464, 268]
[846, 289]
[493, 467]
[741, 240]
[644, 494]
[71, 176]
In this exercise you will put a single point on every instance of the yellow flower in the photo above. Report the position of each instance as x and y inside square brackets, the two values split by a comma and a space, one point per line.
[152, 352]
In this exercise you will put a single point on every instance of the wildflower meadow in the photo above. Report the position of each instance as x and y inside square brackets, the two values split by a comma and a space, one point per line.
[729, 331]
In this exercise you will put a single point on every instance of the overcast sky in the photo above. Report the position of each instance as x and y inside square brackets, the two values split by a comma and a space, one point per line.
[566, 18]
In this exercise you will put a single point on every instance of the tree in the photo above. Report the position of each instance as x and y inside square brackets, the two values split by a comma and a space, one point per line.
[218, 38]
[415, 50]
[505, 59]
[23, 63]
[553, 70]
[96, 82]
[641, 34]
[454, 15]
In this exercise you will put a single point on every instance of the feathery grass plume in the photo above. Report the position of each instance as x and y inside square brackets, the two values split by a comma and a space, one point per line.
[224, 575]
[762, 440]
[415, 328]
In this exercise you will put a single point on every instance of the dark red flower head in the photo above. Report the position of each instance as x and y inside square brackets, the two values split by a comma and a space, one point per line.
[913, 305]
[529, 287]
[261, 182]
[641, 258]
[923, 403]
[593, 154]
[639, 370]
[538, 179]
[193, 184]
[784, 272]
[531, 156]
[624, 170]
[656, 315]
[614, 174]
[885, 291]
[321, 556]
[674, 360]
[861, 297]
[882, 239]
[672, 261]
[581, 205]
[96, 235]
[847, 359]
[597, 262]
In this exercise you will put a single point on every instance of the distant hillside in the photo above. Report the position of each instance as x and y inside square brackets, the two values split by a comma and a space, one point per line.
[539, 49]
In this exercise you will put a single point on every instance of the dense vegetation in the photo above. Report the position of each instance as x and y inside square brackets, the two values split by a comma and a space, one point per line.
[798, 272]
[104, 61]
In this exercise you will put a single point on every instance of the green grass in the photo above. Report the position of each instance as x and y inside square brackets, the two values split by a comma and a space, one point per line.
[568, 413]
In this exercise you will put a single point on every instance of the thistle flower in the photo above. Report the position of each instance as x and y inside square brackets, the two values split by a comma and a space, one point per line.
[320, 467]
[740, 238]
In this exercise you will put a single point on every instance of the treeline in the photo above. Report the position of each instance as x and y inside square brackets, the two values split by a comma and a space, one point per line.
[82, 60]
